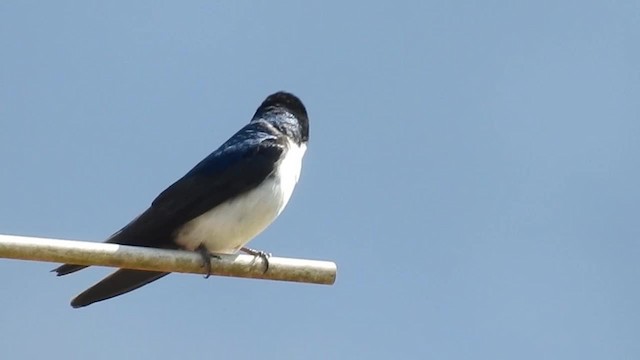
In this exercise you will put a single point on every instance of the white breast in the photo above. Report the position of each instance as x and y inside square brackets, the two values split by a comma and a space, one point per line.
[230, 225]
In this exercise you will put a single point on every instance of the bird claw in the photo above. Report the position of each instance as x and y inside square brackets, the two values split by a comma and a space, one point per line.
[259, 253]
[206, 259]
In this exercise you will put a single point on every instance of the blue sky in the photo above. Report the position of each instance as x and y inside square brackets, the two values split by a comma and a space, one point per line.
[472, 169]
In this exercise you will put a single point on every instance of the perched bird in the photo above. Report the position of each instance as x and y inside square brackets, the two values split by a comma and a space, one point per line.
[223, 202]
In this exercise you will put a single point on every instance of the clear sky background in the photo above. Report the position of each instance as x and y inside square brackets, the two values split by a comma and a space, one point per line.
[473, 169]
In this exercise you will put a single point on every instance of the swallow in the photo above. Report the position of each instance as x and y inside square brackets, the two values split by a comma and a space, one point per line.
[221, 204]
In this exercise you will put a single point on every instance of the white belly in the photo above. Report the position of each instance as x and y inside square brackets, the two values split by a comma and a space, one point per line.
[230, 225]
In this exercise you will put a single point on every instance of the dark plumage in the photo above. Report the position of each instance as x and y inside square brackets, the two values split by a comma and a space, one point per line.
[182, 213]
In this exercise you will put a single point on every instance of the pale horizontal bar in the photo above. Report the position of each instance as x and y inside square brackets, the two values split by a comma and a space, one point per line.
[152, 259]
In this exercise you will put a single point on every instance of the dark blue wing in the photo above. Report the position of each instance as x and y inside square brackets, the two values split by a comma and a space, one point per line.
[239, 165]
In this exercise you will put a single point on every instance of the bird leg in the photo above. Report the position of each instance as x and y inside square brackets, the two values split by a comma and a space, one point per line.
[258, 253]
[206, 258]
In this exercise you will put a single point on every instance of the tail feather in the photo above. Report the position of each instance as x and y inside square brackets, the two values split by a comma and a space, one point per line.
[118, 283]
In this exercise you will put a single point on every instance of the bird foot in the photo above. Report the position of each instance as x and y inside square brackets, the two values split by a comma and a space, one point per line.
[206, 259]
[258, 253]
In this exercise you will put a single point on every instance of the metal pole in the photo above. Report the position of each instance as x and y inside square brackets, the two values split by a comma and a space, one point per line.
[141, 258]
